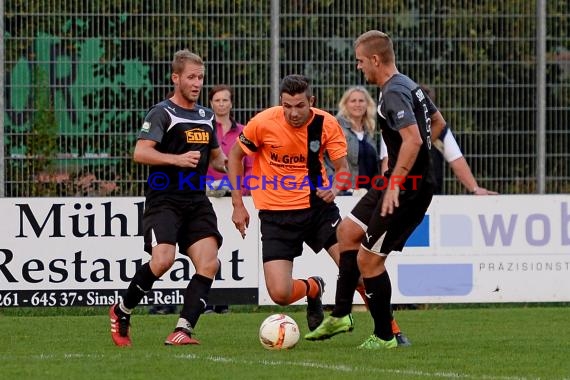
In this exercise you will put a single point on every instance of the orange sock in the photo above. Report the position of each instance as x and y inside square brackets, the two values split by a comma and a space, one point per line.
[360, 289]
[395, 327]
[313, 288]
[299, 290]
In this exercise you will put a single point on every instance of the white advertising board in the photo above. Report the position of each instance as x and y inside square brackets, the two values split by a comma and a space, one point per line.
[513, 248]
[84, 251]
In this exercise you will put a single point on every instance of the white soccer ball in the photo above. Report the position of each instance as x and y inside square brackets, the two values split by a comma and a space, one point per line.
[279, 332]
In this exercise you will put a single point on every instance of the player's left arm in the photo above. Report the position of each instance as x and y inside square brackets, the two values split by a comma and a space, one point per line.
[336, 148]
[452, 154]
[340, 166]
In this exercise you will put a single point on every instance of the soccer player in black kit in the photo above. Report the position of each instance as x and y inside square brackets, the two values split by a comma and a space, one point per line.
[382, 220]
[178, 142]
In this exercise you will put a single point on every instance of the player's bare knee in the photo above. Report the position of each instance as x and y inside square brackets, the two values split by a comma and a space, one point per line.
[280, 299]
[209, 268]
[349, 235]
[161, 264]
[366, 259]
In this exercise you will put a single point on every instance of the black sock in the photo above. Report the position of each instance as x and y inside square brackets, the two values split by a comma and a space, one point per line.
[346, 283]
[140, 285]
[196, 298]
[379, 293]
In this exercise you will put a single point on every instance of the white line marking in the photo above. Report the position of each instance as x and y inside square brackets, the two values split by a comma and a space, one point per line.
[222, 359]
[345, 368]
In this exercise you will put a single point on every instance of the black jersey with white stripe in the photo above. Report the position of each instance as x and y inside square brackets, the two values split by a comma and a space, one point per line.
[178, 130]
[402, 104]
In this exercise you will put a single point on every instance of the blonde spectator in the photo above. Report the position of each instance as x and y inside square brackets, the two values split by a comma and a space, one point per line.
[357, 117]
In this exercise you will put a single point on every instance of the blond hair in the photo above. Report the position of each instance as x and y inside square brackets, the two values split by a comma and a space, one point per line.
[375, 42]
[369, 121]
[182, 57]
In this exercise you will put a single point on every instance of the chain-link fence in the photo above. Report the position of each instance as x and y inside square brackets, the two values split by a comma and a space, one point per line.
[79, 75]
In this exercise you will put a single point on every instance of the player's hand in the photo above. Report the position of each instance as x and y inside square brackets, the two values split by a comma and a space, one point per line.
[390, 201]
[326, 195]
[189, 159]
[483, 191]
[240, 217]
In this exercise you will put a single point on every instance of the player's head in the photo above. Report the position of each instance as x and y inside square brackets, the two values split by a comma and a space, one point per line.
[296, 99]
[373, 49]
[356, 103]
[187, 76]
[221, 99]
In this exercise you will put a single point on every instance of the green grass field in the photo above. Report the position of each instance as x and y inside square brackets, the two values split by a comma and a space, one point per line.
[464, 343]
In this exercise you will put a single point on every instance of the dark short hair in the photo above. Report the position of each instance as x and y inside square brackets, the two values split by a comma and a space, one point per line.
[295, 84]
[218, 88]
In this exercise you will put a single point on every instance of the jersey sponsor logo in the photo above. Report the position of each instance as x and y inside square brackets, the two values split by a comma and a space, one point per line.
[288, 158]
[146, 127]
[197, 136]
[400, 114]
[201, 112]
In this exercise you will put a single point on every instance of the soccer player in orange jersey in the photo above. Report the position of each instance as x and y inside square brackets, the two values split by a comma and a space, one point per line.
[290, 189]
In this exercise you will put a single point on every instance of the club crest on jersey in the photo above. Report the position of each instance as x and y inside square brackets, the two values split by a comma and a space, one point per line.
[314, 146]
[197, 136]
[202, 113]
[145, 126]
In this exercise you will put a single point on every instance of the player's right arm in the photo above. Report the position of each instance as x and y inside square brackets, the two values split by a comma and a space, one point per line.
[152, 133]
[146, 153]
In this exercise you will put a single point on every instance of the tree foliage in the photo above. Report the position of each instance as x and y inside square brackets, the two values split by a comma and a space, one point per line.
[479, 56]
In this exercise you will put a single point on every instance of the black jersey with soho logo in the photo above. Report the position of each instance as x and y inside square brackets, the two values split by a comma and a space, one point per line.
[178, 130]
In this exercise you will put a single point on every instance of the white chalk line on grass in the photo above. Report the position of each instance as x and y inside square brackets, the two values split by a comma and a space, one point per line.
[345, 368]
[306, 364]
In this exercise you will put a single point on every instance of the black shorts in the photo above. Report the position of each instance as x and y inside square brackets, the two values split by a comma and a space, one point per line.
[389, 233]
[179, 220]
[284, 232]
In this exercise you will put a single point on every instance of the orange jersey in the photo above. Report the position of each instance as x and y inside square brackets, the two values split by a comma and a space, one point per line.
[288, 163]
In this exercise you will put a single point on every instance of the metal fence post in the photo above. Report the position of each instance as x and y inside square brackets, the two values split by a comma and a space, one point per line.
[540, 95]
[274, 91]
[2, 158]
